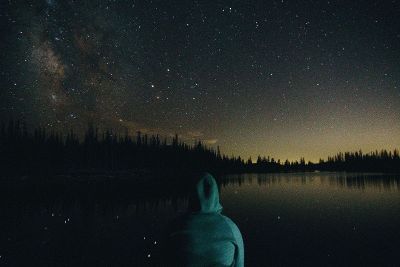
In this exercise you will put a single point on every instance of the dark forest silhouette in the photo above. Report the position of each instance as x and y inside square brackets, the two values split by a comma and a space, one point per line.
[40, 151]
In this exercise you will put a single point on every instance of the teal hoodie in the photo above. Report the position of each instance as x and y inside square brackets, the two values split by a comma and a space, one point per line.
[203, 236]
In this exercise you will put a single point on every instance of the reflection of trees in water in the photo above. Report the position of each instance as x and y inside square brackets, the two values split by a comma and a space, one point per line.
[385, 183]
[97, 204]
[341, 180]
[89, 200]
[106, 197]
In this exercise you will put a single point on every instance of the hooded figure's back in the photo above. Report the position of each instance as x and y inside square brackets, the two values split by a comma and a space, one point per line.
[203, 236]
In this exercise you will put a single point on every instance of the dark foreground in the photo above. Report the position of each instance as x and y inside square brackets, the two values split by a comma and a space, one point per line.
[324, 219]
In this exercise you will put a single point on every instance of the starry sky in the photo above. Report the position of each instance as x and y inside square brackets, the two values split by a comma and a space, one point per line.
[280, 78]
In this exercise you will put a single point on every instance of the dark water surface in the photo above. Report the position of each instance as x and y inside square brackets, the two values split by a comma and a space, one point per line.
[324, 219]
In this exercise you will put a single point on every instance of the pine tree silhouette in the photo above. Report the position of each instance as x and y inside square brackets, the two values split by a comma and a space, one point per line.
[23, 152]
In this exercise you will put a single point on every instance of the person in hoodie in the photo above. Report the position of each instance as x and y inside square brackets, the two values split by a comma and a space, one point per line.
[203, 236]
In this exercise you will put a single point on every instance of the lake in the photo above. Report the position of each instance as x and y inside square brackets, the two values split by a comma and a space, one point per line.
[291, 219]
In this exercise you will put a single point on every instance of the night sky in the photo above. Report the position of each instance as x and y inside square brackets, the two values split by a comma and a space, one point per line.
[279, 78]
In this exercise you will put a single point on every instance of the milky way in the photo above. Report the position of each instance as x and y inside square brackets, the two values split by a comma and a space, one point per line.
[279, 78]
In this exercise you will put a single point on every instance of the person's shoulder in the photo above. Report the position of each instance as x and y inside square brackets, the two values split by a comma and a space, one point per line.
[238, 240]
[227, 219]
[234, 228]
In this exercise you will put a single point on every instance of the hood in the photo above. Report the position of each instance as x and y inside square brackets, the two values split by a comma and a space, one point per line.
[205, 197]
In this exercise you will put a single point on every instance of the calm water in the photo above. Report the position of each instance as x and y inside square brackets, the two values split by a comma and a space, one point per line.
[328, 219]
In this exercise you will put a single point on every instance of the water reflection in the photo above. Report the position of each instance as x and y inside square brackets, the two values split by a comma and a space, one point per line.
[360, 181]
[120, 222]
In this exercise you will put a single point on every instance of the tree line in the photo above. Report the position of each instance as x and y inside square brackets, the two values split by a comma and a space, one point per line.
[24, 152]
[42, 151]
